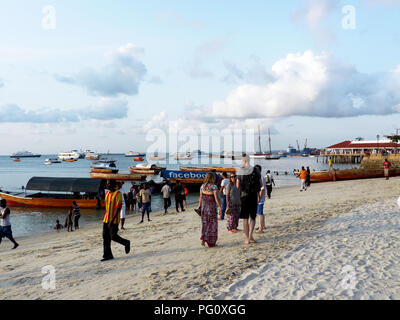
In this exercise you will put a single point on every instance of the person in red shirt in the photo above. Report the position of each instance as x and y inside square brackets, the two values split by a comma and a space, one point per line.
[386, 168]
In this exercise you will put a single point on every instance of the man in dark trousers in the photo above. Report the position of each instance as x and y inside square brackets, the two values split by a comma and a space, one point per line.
[77, 214]
[178, 191]
[113, 202]
[249, 182]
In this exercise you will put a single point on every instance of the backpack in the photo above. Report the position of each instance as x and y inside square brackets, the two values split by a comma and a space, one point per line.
[250, 184]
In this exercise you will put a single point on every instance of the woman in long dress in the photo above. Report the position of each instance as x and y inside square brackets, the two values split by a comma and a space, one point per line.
[233, 204]
[208, 202]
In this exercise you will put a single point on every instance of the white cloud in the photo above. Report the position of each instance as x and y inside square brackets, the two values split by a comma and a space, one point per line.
[104, 109]
[314, 13]
[312, 85]
[122, 75]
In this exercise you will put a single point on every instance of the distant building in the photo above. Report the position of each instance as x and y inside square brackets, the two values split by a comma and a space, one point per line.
[362, 147]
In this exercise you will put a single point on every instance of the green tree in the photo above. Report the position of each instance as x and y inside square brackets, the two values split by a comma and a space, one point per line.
[395, 139]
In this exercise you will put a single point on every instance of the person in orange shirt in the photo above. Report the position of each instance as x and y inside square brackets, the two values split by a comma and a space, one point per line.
[386, 168]
[303, 177]
[111, 221]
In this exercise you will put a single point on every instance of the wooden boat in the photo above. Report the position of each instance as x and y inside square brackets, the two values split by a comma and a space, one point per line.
[146, 169]
[192, 169]
[350, 174]
[142, 172]
[100, 170]
[17, 160]
[69, 160]
[117, 176]
[138, 159]
[219, 169]
[52, 195]
[104, 168]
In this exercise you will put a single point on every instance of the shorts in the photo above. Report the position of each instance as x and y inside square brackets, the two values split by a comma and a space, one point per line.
[146, 207]
[386, 171]
[123, 213]
[260, 209]
[5, 232]
[249, 206]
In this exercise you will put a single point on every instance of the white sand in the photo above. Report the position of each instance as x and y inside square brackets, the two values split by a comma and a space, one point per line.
[301, 255]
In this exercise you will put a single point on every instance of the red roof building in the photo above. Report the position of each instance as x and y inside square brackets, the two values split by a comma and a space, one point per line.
[356, 146]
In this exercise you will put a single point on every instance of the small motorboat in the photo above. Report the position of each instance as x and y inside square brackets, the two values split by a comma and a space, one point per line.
[17, 160]
[51, 161]
[138, 159]
[104, 168]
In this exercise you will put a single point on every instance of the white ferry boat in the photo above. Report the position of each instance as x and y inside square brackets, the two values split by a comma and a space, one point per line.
[68, 156]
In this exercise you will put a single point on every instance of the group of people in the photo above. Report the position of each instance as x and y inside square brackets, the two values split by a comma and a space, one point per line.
[180, 192]
[243, 197]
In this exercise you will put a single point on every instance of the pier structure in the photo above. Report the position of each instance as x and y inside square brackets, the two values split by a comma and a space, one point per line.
[356, 150]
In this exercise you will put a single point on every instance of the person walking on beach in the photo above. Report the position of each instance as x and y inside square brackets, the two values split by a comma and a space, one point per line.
[302, 176]
[249, 182]
[123, 208]
[139, 198]
[232, 204]
[178, 190]
[261, 201]
[113, 202]
[224, 183]
[308, 179]
[330, 161]
[269, 180]
[132, 199]
[184, 194]
[5, 223]
[69, 219]
[166, 192]
[386, 168]
[77, 214]
[145, 195]
[208, 202]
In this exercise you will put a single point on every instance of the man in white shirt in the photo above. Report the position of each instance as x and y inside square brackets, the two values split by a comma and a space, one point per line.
[225, 182]
[123, 209]
[269, 181]
[166, 192]
[5, 224]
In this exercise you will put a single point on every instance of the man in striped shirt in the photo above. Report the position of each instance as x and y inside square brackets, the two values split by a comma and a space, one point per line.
[111, 221]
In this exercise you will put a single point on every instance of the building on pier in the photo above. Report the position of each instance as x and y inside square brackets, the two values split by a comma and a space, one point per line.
[354, 151]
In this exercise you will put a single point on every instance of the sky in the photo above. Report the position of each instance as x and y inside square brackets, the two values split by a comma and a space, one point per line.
[109, 76]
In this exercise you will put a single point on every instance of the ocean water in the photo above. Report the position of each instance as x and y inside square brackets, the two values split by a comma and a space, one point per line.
[31, 221]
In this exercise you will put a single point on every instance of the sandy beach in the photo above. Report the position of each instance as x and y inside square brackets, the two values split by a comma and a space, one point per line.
[337, 240]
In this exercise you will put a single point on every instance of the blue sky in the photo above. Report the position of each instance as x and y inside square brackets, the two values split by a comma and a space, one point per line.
[110, 72]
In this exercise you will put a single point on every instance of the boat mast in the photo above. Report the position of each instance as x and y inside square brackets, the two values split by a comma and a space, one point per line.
[259, 139]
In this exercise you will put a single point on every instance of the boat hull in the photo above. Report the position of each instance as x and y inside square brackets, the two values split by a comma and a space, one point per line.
[20, 201]
[350, 174]
[119, 177]
[95, 170]
[218, 169]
